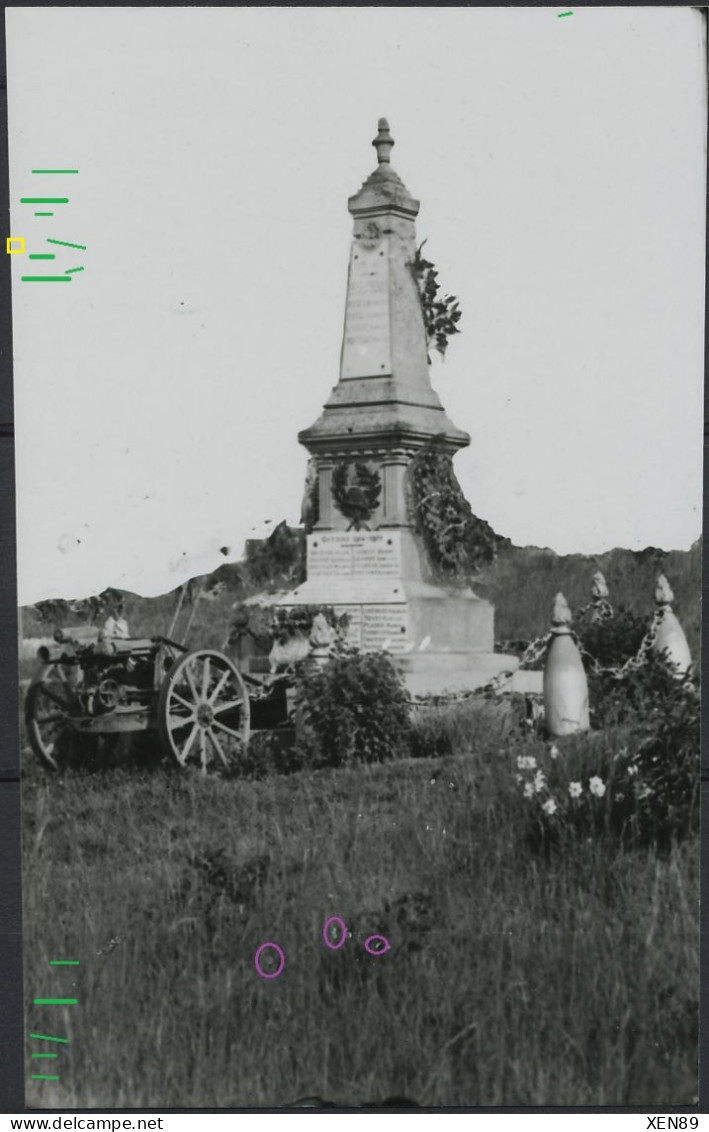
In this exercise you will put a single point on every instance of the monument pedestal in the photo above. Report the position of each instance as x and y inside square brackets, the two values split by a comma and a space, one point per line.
[441, 639]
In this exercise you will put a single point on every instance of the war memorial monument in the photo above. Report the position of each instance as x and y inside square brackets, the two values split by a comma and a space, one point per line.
[365, 555]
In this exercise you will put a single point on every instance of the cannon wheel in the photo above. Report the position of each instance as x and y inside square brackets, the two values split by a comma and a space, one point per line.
[48, 711]
[203, 710]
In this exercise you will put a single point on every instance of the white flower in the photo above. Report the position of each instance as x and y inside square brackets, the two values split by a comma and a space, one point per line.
[549, 806]
[526, 762]
[539, 781]
[597, 786]
[575, 789]
[519, 778]
[632, 769]
[554, 751]
[528, 790]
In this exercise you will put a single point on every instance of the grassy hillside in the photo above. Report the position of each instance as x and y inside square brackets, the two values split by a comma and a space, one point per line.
[512, 978]
[521, 584]
[515, 977]
[523, 581]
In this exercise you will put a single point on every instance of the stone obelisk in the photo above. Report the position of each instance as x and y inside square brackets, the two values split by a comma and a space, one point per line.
[364, 555]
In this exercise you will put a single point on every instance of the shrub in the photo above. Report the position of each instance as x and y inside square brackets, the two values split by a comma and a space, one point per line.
[353, 709]
[663, 775]
[613, 641]
[641, 693]
[618, 694]
[640, 785]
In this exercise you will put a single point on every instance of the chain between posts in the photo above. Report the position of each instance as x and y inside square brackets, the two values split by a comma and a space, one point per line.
[533, 653]
[633, 662]
[600, 607]
[536, 649]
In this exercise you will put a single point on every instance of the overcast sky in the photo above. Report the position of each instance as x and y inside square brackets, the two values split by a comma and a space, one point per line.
[560, 165]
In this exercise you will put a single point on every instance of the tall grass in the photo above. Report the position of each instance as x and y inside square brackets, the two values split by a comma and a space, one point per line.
[511, 979]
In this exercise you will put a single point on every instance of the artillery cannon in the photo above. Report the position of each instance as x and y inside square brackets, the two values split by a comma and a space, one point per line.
[90, 688]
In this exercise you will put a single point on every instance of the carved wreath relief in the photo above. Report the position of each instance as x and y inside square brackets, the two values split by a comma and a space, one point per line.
[356, 490]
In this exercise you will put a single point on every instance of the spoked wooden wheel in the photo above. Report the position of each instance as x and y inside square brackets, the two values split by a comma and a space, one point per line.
[203, 710]
[48, 709]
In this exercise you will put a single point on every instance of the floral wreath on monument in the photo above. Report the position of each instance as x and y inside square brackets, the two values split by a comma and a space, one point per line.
[457, 542]
[356, 491]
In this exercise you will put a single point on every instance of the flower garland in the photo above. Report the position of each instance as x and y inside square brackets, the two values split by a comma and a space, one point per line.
[268, 623]
[298, 620]
[457, 542]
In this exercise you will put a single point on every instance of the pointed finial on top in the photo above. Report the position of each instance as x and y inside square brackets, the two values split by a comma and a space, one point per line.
[599, 587]
[663, 591]
[384, 142]
[561, 614]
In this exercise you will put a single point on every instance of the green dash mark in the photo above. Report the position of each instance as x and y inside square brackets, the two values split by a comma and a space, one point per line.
[44, 255]
[55, 1001]
[44, 214]
[45, 1055]
[561, 14]
[55, 170]
[44, 1077]
[44, 200]
[71, 270]
[49, 1038]
[45, 278]
[58, 962]
[66, 244]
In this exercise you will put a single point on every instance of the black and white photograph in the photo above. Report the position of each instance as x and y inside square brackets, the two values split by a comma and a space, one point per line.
[359, 514]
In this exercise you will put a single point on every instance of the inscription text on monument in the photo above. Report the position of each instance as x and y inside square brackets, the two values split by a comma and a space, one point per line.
[366, 350]
[371, 626]
[354, 554]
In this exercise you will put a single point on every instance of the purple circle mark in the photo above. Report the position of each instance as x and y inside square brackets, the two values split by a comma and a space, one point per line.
[257, 958]
[343, 928]
[379, 950]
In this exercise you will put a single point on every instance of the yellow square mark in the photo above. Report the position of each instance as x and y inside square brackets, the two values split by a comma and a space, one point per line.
[15, 240]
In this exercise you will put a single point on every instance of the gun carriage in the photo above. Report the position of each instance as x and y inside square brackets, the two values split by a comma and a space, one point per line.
[90, 688]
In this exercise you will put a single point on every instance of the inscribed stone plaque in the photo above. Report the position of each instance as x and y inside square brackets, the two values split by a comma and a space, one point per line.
[371, 626]
[352, 568]
[384, 623]
[354, 554]
[366, 350]
[379, 556]
[329, 556]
